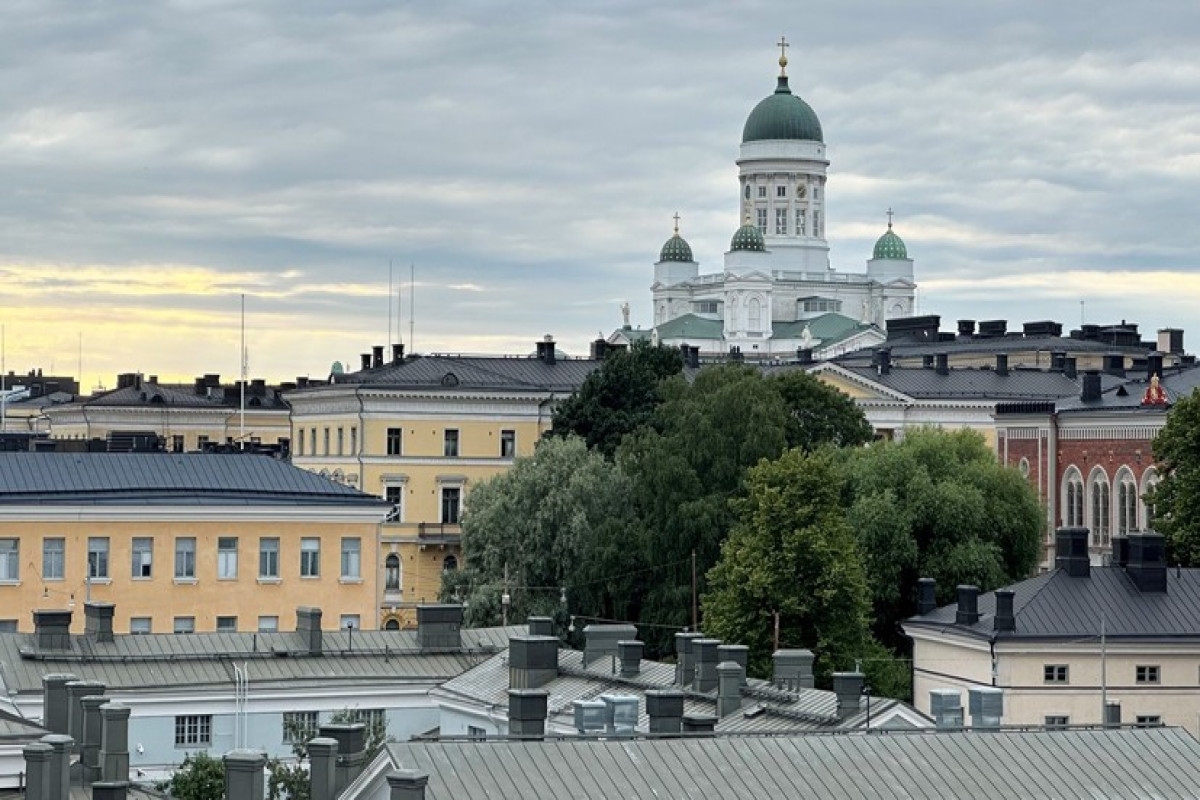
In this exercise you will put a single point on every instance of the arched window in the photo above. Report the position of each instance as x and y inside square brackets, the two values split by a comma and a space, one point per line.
[1127, 502]
[449, 564]
[1149, 481]
[1101, 518]
[392, 625]
[1023, 467]
[755, 314]
[391, 573]
[1072, 499]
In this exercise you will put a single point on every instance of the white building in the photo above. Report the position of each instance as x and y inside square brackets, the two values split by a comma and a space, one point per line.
[776, 288]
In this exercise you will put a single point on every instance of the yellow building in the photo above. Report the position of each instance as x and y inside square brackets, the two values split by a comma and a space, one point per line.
[183, 543]
[421, 431]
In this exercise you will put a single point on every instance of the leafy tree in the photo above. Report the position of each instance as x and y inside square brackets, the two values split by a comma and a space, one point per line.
[291, 781]
[618, 398]
[937, 504]
[199, 777]
[559, 519]
[818, 414]
[287, 781]
[1176, 498]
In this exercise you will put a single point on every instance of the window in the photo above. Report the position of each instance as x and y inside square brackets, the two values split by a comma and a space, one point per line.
[747, 191]
[193, 730]
[143, 557]
[755, 314]
[226, 624]
[327, 441]
[1057, 722]
[185, 558]
[268, 624]
[268, 557]
[449, 564]
[821, 305]
[394, 494]
[451, 499]
[98, 557]
[227, 557]
[391, 625]
[476, 733]
[354, 441]
[781, 220]
[341, 440]
[8, 626]
[201, 443]
[781, 191]
[312, 441]
[1147, 674]
[395, 438]
[816, 219]
[10, 560]
[508, 444]
[1101, 517]
[707, 307]
[177, 443]
[351, 558]
[1073, 493]
[139, 625]
[1127, 502]
[349, 621]
[300, 726]
[801, 222]
[310, 558]
[1148, 720]
[54, 550]
[300, 444]
[391, 573]
[374, 718]
[450, 443]
[1055, 673]
[1023, 468]
[762, 218]
[185, 625]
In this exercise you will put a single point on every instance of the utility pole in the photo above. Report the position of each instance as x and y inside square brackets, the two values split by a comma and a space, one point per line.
[505, 599]
[695, 607]
[1103, 671]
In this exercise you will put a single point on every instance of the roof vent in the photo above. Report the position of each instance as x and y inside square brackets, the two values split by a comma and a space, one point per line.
[1006, 619]
[664, 707]
[1091, 386]
[945, 706]
[601, 640]
[439, 627]
[926, 595]
[942, 364]
[968, 605]
[793, 669]
[1071, 552]
[987, 707]
[1147, 562]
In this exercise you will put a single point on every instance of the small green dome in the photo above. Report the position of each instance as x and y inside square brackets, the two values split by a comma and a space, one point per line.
[748, 237]
[890, 246]
[676, 249]
[782, 115]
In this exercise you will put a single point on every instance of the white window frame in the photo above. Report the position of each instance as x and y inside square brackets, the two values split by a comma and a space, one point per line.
[193, 731]
[268, 558]
[54, 561]
[351, 558]
[227, 558]
[10, 559]
[268, 623]
[140, 626]
[142, 557]
[781, 220]
[183, 624]
[98, 557]
[185, 558]
[310, 557]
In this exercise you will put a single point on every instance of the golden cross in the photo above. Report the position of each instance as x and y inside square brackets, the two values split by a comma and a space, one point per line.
[783, 46]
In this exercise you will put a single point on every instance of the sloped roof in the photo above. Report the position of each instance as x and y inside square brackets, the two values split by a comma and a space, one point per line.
[1056, 605]
[908, 348]
[513, 373]
[184, 395]
[165, 478]
[962, 383]
[1032, 765]
[1125, 394]
[691, 326]
[826, 329]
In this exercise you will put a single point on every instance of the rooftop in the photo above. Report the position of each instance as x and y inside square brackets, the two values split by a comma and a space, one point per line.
[467, 372]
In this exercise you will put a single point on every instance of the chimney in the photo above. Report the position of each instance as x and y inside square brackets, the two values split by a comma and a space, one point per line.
[439, 627]
[308, 625]
[600, 641]
[1120, 551]
[966, 327]
[629, 656]
[89, 750]
[848, 686]
[942, 363]
[685, 669]
[55, 716]
[532, 661]
[301, 382]
[366, 360]
[377, 356]
[1112, 714]
[527, 712]
[987, 707]
[1114, 364]
[199, 388]
[76, 691]
[1071, 552]
[596, 351]
[58, 776]
[729, 688]
[1170, 340]
[541, 626]
[1005, 619]
[1069, 368]
[406, 784]
[212, 379]
[258, 386]
[352, 750]
[37, 769]
[699, 723]
[1091, 387]
[114, 742]
[926, 595]
[1147, 562]
[52, 629]
[397, 354]
[704, 655]
[589, 716]
[804, 355]
[664, 707]
[620, 714]
[545, 349]
[1002, 364]
[692, 357]
[1154, 365]
[945, 706]
[110, 790]
[322, 768]
[98, 621]
[1058, 360]
[244, 774]
[738, 654]
[793, 669]
[968, 605]
[927, 361]
[885, 360]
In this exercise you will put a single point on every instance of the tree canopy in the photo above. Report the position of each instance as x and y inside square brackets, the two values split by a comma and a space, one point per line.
[1176, 498]
[199, 777]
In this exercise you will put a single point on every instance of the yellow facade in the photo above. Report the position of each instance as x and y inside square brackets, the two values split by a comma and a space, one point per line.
[188, 427]
[199, 592]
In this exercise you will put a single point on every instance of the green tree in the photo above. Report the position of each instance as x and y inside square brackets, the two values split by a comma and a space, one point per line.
[792, 552]
[558, 520]
[199, 777]
[618, 398]
[1176, 498]
[819, 414]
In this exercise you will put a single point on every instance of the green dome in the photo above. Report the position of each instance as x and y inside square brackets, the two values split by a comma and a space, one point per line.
[676, 249]
[890, 246]
[748, 237]
[782, 115]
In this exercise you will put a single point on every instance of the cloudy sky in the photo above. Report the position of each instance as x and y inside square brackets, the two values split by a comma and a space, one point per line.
[162, 159]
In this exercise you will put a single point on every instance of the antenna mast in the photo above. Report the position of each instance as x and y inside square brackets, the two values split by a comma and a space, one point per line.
[3, 388]
[245, 365]
[412, 296]
[389, 302]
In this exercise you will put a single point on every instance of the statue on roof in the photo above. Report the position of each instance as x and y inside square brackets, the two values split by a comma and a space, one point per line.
[625, 314]
[1155, 395]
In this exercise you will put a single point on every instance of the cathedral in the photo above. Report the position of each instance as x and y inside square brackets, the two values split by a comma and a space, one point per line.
[777, 293]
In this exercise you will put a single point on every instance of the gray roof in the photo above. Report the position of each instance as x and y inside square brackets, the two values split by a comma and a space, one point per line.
[165, 478]
[14, 728]
[201, 660]
[1055, 605]
[185, 395]
[1032, 765]
[764, 708]
[1125, 395]
[908, 348]
[974, 383]
[513, 373]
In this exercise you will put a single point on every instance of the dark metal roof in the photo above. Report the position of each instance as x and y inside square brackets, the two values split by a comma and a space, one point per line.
[961, 383]
[184, 395]
[1055, 605]
[1032, 765]
[1125, 394]
[165, 478]
[475, 372]
[902, 348]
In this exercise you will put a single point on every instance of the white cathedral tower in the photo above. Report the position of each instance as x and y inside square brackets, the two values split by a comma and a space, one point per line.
[777, 292]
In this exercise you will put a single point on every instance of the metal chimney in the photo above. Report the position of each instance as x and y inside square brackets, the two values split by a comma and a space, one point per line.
[738, 654]
[685, 671]
[629, 656]
[532, 661]
[968, 605]
[55, 716]
[729, 688]
[244, 774]
[38, 756]
[945, 706]
[987, 707]
[664, 707]
[600, 641]
[705, 653]
[848, 686]
[322, 770]
[793, 669]
[308, 625]
[527, 712]
[1071, 552]
[114, 742]
[58, 776]
[926, 596]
